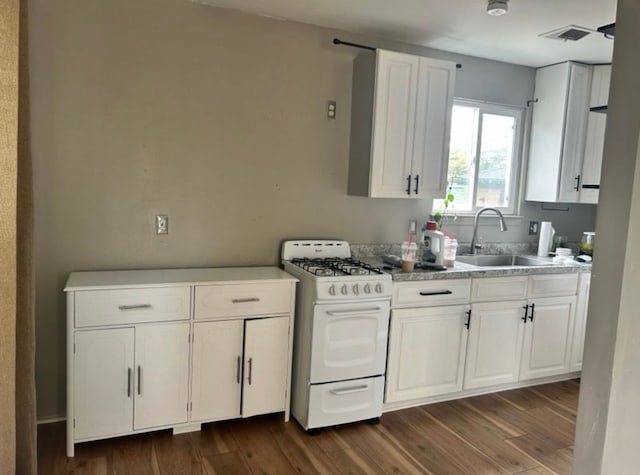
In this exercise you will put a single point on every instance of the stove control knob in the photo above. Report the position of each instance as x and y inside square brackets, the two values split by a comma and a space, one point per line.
[344, 290]
[379, 288]
[332, 290]
[367, 289]
[356, 289]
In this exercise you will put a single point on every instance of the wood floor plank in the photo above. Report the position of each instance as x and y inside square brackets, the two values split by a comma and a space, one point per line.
[526, 431]
[301, 451]
[354, 462]
[259, 448]
[382, 447]
[482, 434]
[439, 450]
[228, 463]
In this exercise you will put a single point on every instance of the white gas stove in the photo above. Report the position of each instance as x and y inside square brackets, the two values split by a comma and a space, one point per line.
[340, 340]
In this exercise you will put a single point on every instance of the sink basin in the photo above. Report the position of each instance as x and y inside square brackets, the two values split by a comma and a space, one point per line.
[500, 260]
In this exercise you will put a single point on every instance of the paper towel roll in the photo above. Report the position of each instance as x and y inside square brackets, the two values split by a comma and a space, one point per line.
[546, 238]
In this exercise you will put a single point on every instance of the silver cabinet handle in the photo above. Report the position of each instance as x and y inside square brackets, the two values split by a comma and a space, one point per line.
[129, 382]
[238, 370]
[134, 307]
[251, 299]
[139, 380]
[250, 370]
[355, 389]
[338, 313]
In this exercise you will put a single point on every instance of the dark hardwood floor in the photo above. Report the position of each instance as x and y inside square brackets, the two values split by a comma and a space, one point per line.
[524, 431]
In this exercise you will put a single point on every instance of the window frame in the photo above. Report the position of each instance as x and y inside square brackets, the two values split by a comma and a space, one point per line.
[515, 173]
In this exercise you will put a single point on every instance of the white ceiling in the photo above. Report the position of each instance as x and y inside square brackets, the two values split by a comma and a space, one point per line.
[460, 26]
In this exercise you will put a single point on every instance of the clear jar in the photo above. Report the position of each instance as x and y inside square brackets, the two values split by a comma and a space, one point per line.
[586, 243]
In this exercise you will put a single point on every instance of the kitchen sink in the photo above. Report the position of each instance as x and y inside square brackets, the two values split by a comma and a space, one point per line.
[500, 260]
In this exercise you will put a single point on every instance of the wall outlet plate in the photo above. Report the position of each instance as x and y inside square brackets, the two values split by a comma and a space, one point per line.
[413, 226]
[533, 228]
[162, 224]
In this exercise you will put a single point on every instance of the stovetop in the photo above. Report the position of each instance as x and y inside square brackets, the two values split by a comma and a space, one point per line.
[335, 266]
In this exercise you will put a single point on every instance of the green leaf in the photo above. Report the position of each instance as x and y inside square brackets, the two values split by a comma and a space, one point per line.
[450, 197]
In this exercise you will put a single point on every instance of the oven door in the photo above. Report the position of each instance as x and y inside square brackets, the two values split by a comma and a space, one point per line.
[349, 340]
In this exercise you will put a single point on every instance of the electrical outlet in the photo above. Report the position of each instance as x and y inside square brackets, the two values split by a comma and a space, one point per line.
[533, 228]
[331, 109]
[413, 226]
[162, 224]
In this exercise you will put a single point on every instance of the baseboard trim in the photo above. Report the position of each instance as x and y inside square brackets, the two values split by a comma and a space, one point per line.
[50, 419]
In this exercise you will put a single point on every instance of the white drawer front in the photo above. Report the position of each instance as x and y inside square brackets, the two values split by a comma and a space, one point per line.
[555, 285]
[345, 401]
[431, 293]
[499, 288]
[230, 300]
[125, 306]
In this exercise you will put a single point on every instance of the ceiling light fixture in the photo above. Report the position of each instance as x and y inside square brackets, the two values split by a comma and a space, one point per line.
[497, 7]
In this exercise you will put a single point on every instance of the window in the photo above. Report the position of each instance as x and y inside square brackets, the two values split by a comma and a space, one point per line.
[484, 156]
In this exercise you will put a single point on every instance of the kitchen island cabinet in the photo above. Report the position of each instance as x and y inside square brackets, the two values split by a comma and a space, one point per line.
[173, 348]
[400, 125]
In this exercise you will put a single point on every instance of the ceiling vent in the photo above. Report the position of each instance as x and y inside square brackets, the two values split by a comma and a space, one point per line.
[567, 33]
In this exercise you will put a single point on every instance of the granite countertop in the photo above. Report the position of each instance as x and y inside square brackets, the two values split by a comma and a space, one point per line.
[461, 270]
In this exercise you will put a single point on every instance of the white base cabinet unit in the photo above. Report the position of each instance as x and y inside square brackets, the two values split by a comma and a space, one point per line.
[400, 125]
[175, 348]
[519, 338]
[580, 325]
[428, 339]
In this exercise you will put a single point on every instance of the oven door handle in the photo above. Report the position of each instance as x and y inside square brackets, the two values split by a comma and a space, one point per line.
[346, 313]
[355, 389]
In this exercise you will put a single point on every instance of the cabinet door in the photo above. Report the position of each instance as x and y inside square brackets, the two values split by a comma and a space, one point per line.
[103, 389]
[580, 323]
[162, 375]
[393, 124]
[266, 349]
[594, 142]
[575, 128]
[547, 337]
[495, 343]
[436, 81]
[217, 370]
[426, 352]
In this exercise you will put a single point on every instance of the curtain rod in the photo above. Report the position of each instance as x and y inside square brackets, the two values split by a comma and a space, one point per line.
[338, 41]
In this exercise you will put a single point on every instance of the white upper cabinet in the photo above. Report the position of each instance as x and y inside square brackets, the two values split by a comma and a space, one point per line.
[400, 125]
[558, 131]
[594, 144]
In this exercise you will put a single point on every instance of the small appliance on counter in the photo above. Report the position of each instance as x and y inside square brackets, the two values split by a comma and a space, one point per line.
[433, 247]
[545, 242]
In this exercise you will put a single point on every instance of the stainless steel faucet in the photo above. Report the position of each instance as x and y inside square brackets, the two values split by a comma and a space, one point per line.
[503, 227]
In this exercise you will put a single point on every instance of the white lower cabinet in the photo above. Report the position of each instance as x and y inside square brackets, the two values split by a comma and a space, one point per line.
[426, 351]
[580, 321]
[547, 337]
[131, 378]
[103, 389]
[516, 329]
[495, 343]
[142, 357]
[216, 381]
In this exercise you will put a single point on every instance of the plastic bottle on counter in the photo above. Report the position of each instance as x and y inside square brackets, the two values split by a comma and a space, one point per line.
[432, 244]
[450, 249]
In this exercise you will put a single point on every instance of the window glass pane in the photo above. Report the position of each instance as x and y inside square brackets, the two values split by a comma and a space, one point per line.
[496, 158]
[462, 150]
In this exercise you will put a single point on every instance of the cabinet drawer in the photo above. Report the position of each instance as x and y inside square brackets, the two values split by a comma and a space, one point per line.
[230, 300]
[124, 306]
[431, 293]
[499, 288]
[345, 401]
[555, 285]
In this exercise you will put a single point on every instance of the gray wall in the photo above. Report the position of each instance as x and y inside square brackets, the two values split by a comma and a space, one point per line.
[607, 439]
[215, 118]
